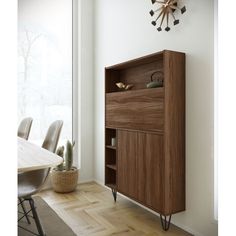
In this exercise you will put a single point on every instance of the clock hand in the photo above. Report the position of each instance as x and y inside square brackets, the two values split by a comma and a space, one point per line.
[158, 9]
[167, 3]
[162, 11]
[171, 12]
[163, 17]
[167, 18]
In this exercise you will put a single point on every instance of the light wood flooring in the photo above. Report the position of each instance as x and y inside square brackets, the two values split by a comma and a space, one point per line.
[90, 210]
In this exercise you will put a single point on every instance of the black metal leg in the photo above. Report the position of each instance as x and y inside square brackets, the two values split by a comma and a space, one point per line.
[36, 218]
[164, 222]
[23, 208]
[114, 193]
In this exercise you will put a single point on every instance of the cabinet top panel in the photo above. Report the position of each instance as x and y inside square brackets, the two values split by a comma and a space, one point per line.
[141, 60]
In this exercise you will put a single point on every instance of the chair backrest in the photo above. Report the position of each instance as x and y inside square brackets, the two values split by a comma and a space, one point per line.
[37, 178]
[51, 140]
[50, 143]
[24, 128]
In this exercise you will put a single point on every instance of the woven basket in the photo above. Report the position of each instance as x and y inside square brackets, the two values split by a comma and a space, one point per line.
[64, 181]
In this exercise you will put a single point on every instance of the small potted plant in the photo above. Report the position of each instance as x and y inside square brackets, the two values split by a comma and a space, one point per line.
[64, 177]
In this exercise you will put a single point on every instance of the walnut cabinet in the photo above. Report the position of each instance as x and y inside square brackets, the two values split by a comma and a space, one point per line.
[147, 162]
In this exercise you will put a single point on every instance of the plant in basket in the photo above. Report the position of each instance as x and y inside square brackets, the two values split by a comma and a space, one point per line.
[64, 177]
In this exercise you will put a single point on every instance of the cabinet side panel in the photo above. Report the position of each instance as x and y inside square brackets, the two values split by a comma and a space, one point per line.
[127, 163]
[111, 78]
[174, 131]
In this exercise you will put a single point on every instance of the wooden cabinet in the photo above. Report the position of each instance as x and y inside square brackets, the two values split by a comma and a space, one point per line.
[148, 162]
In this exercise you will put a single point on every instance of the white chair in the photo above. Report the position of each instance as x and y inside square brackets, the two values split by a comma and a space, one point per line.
[23, 132]
[24, 128]
[30, 183]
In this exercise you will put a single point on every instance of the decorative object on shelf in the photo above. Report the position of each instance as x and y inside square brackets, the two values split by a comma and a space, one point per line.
[123, 86]
[157, 81]
[64, 177]
[113, 142]
[166, 8]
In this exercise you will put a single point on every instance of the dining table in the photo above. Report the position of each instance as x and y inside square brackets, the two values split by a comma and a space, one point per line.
[33, 157]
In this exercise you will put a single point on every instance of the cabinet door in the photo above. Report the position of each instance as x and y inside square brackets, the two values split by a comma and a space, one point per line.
[150, 169]
[139, 110]
[127, 163]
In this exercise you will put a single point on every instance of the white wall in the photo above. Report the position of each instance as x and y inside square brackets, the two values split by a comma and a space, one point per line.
[123, 31]
[85, 88]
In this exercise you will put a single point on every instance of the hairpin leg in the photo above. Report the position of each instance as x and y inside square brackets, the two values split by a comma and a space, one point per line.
[164, 222]
[114, 193]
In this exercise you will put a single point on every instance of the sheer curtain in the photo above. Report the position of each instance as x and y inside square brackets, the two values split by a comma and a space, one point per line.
[45, 65]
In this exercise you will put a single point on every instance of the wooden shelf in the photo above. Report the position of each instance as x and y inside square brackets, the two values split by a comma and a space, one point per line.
[111, 147]
[113, 167]
[110, 159]
[160, 132]
[148, 125]
[159, 89]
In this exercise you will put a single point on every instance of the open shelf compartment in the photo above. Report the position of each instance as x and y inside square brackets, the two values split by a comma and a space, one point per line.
[110, 158]
[137, 72]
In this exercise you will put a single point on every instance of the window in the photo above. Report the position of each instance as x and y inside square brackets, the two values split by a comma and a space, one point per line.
[45, 65]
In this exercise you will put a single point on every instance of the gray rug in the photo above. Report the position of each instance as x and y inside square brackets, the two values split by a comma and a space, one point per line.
[53, 225]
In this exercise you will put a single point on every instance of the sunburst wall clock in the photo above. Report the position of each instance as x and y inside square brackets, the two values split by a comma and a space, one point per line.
[166, 8]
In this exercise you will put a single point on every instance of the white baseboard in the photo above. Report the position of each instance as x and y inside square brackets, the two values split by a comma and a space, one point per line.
[86, 181]
[100, 183]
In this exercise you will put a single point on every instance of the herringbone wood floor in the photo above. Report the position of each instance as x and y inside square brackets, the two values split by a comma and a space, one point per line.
[90, 210]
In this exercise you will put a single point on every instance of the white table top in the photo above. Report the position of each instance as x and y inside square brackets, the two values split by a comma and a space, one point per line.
[33, 157]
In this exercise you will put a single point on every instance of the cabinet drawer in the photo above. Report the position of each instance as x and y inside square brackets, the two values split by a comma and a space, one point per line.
[137, 109]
